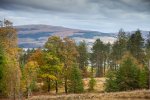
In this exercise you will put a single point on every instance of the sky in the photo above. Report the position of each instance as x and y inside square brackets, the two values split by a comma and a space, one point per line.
[97, 15]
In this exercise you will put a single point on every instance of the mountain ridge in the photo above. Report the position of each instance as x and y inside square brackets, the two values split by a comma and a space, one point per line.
[34, 36]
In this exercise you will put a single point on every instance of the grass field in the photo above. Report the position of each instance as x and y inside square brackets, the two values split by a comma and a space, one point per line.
[130, 95]
[97, 94]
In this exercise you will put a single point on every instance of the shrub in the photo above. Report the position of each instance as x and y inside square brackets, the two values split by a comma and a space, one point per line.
[92, 83]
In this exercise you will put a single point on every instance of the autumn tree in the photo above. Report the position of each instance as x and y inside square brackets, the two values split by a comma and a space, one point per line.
[8, 40]
[30, 72]
[2, 70]
[69, 57]
[53, 46]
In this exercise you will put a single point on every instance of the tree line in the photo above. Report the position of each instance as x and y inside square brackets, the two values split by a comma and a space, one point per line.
[63, 63]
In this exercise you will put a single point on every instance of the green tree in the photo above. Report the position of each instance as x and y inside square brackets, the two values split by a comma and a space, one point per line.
[136, 45]
[76, 84]
[129, 76]
[148, 55]
[118, 49]
[2, 66]
[111, 84]
[97, 56]
[48, 71]
[53, 46]
[144, 78]
[83, 57]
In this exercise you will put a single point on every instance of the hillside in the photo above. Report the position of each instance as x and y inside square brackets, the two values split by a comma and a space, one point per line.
[33, 36]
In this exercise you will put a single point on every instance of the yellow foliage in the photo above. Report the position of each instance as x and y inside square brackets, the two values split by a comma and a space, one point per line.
[52, 77]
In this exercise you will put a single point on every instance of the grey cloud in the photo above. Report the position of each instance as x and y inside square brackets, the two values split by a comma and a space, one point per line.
[101, 14]
[77, 6]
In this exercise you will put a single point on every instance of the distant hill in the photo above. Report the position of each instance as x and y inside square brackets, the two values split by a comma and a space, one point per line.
[33, 36]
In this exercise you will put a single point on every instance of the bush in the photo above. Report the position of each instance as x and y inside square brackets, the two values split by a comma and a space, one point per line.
[92, 83]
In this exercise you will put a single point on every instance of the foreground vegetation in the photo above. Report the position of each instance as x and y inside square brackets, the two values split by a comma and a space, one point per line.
[130, 95]
[63, 63]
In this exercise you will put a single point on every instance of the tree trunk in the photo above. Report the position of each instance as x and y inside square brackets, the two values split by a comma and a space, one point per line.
[14, 93]
[98, 71]
[56, 86]
[66, 88]
[149, 72]
[104, 66]
[92, 71]
[49, 85]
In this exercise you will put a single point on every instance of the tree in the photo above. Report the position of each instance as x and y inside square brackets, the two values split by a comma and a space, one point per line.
[129, 76]
[83, 57]
[53, 46]
[69, 55]
[98, 56]
[148, 55]
[8, 41]
[50, 69]
[111, 84]
[144, 78]
[2, 66]
[30, 72]
[118, 49]
[76, 84]
[135, 46]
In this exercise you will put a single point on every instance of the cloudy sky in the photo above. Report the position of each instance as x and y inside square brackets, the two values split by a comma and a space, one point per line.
[99, 15]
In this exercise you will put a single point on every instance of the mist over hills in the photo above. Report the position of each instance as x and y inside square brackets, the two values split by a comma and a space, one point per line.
[34, 36]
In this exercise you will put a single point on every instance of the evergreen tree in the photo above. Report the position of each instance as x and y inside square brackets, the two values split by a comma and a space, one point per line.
[136, 45]
[129, 76]
[76, 84]
[83, 57]
[119, 48]
[144, 78]
[111, 84]
[148, 55]
[98, 56]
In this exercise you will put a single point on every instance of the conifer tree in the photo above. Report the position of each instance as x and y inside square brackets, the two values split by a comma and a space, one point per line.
[76, 84]
[98, 56]
[83, 57]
